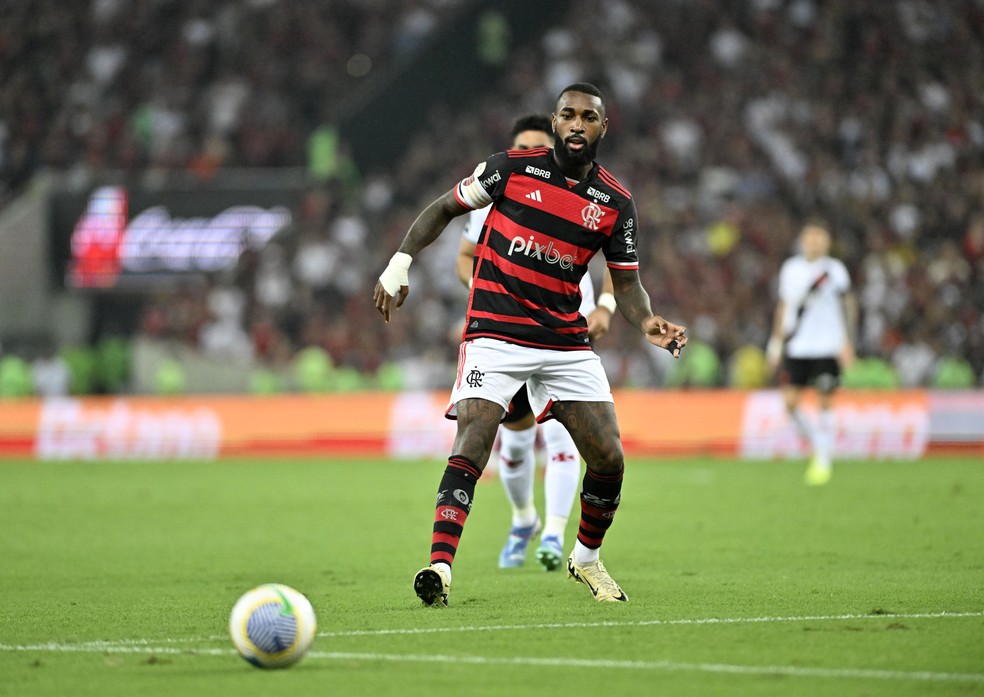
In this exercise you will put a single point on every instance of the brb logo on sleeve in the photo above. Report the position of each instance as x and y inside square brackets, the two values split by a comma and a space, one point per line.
[546, 252]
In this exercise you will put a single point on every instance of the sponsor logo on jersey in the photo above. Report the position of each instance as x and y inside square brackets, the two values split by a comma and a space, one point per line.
[537, 172]
[600, 195]
[627, 232]
[535, 196]
[489, 181]
[535, 250]
[592, 214]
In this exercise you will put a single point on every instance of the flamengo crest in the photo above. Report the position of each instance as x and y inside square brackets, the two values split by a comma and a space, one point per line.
[591, 214]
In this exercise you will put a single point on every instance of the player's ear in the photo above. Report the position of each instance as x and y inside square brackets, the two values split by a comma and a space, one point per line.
[604, 127]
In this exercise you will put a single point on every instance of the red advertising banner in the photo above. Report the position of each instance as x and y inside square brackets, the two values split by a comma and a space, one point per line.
[751, 425]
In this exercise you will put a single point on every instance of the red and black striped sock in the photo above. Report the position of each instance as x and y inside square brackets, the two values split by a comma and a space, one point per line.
[600, 495]
[454, 502]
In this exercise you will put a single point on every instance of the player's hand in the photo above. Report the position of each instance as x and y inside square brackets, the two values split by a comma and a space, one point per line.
[659, 332]
[384, 301]
[599, 322]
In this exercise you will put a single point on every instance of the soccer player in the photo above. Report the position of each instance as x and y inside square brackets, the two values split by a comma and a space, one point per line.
[812, 328]
[517, 437]
[553, 209]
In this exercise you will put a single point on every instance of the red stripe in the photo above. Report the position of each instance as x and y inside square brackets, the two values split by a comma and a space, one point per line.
[459, 199]
[610, 179]
[558, 201]
[446, 538]
[441, 556]
[532, 152]
[463, 464]
[627, 265]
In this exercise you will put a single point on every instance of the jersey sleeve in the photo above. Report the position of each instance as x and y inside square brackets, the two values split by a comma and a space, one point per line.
[620, 250]
[484, 184]
[842, 279]
[474, 224]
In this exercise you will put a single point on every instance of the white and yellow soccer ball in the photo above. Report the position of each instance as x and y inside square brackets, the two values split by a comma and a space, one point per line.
[272, 626]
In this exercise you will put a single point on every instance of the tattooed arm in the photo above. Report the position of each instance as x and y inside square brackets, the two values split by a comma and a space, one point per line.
[633, 302]
[425, 229]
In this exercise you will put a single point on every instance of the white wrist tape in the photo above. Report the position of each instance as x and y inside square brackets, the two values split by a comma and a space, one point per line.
[607, 301]
[773, 350]
[396, 273]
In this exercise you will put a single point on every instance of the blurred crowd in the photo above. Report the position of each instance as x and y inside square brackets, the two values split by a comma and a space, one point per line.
[730, 121]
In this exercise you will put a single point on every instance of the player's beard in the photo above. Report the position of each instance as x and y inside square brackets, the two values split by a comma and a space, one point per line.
[575, 158]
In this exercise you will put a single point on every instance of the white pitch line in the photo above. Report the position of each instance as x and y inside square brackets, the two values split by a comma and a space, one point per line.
[795, 671]
[699, 621]
[671, 666]
[649, 623]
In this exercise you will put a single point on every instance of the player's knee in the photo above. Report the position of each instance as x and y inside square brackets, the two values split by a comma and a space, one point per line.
[607, 460]
[826, 383]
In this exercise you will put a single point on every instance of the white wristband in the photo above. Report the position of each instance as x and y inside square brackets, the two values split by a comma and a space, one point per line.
[607, 301]
[396, 273]
[773, 350]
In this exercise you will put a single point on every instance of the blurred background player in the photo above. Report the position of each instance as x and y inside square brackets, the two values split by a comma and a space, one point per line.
[517, 438]
[812, 334]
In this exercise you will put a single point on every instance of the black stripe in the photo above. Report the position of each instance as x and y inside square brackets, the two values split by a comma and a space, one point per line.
[448, 527]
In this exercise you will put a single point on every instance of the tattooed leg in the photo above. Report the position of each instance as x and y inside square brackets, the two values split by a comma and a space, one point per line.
[478, 421]
[594, 428]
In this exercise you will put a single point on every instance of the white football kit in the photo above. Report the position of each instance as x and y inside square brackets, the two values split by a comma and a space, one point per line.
[813, 316]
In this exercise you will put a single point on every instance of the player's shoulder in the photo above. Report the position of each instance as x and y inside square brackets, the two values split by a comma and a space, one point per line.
[508, 161]
[606, 183]
[529, 153]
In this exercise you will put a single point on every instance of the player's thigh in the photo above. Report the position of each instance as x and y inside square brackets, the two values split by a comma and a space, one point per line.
[594, 428]
[477, 422]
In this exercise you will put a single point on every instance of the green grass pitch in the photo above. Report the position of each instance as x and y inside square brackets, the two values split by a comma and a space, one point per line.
[118, 579]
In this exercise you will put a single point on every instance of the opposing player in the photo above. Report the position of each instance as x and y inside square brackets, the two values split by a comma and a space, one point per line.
[814, 321]
[553, 209]
[517, 437]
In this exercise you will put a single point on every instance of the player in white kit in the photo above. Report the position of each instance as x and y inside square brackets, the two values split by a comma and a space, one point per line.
[812, 332]
[517, 437]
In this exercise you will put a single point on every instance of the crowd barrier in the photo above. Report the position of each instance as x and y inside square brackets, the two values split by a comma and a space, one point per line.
[753, 425]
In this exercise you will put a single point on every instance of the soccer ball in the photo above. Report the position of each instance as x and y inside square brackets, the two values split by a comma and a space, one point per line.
[272, 626]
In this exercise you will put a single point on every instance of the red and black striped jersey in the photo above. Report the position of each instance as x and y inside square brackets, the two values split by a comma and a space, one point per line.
[537, 241]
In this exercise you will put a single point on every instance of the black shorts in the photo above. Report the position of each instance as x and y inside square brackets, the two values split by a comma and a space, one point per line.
[519, 407]
[823, 373]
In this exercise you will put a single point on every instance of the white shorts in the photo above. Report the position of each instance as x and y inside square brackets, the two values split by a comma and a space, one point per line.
[494, 370]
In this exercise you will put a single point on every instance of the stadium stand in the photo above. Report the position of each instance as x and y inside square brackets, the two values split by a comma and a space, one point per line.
[735, 120]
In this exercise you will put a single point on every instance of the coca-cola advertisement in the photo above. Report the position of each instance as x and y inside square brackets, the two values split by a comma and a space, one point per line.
[129, 238]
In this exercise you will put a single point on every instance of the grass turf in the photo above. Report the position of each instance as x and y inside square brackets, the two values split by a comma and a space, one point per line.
[742, 581]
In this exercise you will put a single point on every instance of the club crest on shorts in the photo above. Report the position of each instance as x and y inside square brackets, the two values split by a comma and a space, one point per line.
[474, 378]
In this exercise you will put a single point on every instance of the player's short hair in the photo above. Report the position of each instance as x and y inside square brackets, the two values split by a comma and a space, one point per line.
[816, 221]
[586, 88]
[531, 122]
